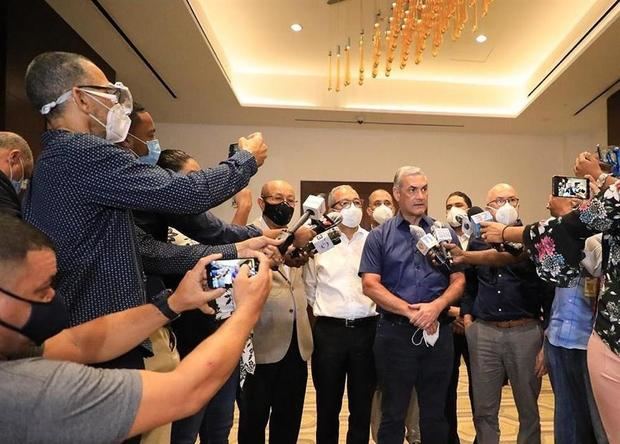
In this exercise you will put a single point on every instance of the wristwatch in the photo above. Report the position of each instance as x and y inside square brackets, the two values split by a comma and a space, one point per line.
[160, 300]
[601, 179]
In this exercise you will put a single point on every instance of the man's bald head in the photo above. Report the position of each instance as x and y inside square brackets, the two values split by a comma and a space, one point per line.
[274, 187]
[502, 190]
[15, 156]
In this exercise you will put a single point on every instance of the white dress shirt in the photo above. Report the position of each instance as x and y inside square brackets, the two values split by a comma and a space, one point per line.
[333, 287]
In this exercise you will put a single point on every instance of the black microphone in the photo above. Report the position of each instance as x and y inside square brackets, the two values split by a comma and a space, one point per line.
[321, 243]
[313, 206]
[428, 245]
[330, 220]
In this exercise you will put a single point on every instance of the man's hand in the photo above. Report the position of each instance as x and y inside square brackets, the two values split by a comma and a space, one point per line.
[249, 247]
[540, 368]
[255, 145]
[458, 326]
[492, 232]
[587, 163]
[303, 235]
[458, 255]
[467, 321]
[296, 262]
[191, 293]
[424, 315]
[250, 293]
[273, 233]
[243, 199]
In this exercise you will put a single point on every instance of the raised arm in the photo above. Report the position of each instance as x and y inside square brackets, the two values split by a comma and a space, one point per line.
[180, 393]
[99, 340]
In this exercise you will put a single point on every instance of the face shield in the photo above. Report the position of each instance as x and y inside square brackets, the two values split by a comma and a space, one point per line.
[116, 93]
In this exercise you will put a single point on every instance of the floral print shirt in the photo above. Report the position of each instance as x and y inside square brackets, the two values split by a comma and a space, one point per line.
[556, 247]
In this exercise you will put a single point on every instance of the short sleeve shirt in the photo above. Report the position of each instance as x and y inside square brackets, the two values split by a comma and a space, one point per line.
[44, 401]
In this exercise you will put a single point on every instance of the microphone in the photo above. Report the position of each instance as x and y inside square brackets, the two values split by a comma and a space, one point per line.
[313, 206]
[416, 231]
[428, 245]
[321, 243]
[444, 236]
[475, 215]
[330, 220]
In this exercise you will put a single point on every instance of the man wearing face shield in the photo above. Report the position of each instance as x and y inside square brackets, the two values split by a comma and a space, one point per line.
[85, 188]
[380, 207]
[15, 170]
[344, 328]
[505, 341]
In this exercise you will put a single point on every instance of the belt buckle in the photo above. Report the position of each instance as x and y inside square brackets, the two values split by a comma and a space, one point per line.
[349, 323]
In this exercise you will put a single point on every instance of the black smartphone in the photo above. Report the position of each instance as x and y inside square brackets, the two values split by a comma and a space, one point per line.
[233, 148]
[563, 186]
[222, 273]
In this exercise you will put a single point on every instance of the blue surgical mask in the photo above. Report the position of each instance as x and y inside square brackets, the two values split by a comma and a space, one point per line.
[154, 151]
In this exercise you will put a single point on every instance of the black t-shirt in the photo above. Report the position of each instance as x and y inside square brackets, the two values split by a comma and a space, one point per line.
[9, 201]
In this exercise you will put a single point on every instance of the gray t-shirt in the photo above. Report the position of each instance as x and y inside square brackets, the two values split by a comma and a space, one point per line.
[43, 401]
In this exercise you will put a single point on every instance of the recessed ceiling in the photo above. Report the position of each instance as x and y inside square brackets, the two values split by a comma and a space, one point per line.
[245, 66]
[270, 66]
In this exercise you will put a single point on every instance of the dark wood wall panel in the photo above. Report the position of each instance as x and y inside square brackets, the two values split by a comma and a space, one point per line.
[28, 28]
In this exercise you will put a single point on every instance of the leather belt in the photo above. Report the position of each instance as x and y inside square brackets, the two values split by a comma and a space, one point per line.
[348, 323]
[513, 323]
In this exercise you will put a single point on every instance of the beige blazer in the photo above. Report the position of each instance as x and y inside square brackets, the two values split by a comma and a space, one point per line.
[285, 304]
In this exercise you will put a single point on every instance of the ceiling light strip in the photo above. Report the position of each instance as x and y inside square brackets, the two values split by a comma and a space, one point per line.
[575, 46]
[118, 29]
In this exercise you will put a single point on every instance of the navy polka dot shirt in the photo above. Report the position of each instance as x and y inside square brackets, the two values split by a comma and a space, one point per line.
[81, 195]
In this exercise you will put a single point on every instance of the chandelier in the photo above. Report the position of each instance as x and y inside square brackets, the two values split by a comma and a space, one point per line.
[409, 27]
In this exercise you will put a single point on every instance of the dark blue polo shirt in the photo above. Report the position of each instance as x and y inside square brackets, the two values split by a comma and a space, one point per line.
[391, 252]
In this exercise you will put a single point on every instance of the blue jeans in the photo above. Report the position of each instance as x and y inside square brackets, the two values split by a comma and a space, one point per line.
[576, 419]
[213, 422]
[401, 366]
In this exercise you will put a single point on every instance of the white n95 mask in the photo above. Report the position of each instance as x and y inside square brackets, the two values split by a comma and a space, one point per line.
[451, 216]
[506, 214]
[382, 213]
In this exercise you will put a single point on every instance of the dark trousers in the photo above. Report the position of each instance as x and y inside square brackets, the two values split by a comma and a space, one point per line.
[460, 350]
[343, 353]
[274, 393]
[576, 419]
[214, 421]
[401, 366]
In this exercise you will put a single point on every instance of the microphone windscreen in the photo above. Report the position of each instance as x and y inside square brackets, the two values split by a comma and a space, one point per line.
[474, 210]
[416, 231]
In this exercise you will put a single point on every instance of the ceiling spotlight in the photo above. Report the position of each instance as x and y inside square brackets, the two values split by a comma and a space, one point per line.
[296, 27]
[481, 38]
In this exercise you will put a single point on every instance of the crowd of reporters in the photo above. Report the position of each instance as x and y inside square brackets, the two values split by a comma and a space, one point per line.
[104, 246]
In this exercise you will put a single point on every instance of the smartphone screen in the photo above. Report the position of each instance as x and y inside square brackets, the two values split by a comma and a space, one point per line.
[563, 186]
[222, 273]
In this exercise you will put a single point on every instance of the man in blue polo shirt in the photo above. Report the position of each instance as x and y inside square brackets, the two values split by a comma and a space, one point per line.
[413, 297]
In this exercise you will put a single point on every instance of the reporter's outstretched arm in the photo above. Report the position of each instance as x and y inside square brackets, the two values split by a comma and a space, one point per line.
[98, 340]
[182, 392]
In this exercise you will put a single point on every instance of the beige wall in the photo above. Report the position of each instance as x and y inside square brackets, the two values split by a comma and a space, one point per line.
[452, 160]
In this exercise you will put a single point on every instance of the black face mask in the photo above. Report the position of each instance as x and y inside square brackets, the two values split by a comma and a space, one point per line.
[46, 319]
[280, 214]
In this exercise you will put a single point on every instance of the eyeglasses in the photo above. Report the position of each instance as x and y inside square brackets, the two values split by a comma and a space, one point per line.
[277, 199]
[346, 203]
[500, 201]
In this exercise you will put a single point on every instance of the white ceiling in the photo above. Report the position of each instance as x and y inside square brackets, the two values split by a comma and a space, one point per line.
[237, 62]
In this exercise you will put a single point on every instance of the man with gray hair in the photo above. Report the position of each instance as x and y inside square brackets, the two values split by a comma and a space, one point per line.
[413, 345]
[15, 169]
[344, 331]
